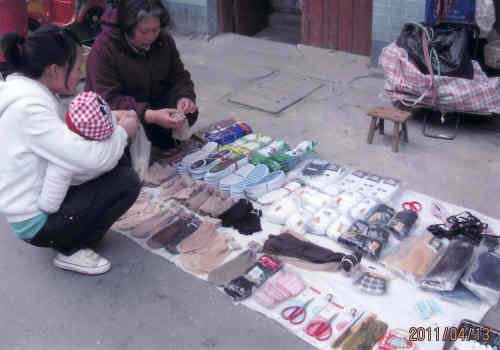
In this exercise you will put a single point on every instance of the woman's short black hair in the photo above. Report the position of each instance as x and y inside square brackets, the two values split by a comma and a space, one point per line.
[130, 12]
[49, 44]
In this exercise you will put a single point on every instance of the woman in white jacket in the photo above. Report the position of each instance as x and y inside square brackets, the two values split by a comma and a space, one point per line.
[33, 133]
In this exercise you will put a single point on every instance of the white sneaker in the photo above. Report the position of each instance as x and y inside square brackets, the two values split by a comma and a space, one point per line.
[85, 261]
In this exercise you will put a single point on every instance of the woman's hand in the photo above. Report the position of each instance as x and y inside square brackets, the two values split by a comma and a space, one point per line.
[129, 122]
[186, 106]
[163, 118]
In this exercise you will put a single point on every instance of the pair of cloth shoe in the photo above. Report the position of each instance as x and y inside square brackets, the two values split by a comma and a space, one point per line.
[243, 217]
[84, 261]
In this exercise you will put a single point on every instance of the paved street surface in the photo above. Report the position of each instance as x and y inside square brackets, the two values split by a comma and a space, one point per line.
[146, 303]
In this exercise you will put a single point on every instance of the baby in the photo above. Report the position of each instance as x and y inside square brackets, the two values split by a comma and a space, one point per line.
[89, 116]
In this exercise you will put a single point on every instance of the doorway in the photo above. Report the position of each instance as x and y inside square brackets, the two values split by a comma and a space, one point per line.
[344, 25]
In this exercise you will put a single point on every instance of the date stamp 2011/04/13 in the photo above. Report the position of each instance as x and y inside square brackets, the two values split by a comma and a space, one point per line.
[479, 334]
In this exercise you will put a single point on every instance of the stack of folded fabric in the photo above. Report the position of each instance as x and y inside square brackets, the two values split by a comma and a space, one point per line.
[289, 159]
[156, 174]
[229, 134]
[207, 150]
[243, 217]
[225, 168]
[236, 177]
[216, 204]
[236, 149]
[320, 173]
[268, 183]
[279, 212]
[180, 224]
[150, 226]
[204, 250]
[170, 188]
[258, 172]
[198, 169]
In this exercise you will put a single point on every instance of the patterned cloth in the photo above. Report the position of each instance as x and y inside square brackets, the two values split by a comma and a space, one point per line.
[404, 82]
[90, 116]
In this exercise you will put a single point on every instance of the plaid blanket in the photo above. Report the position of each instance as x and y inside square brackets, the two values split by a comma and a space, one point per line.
[405, 83]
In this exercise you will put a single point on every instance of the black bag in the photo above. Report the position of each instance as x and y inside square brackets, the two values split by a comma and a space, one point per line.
[451, 42]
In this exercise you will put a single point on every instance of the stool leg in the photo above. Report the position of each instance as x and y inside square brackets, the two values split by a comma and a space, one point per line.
[381, 126]
[395, 140]
[405, 132]
[371, 131]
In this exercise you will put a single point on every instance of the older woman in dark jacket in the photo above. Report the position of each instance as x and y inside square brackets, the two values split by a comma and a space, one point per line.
[134, 64]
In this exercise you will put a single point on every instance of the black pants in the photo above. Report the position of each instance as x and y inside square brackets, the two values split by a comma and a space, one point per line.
[89, 210]
[159, 136]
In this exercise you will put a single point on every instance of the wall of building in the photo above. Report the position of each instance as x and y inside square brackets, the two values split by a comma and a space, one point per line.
[389, 16]
[192, 16]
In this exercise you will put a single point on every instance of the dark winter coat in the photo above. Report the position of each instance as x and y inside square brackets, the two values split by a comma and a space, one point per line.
[131, 80]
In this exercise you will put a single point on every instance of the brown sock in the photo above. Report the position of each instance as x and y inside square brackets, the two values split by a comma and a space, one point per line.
[199, 239]
[140, 216]
[197, 200]
[160, 220]
[161, 239]
[187, 192]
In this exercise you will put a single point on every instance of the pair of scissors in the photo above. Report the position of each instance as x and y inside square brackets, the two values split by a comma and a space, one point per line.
[413, 205]
[296, 314]
[321, 330]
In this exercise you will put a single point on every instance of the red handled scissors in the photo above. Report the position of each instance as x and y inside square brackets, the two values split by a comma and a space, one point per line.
[296, 314]
[414, 206]
[320, 330]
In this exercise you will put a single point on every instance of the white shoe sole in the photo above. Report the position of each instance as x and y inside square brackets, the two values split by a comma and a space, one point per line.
[84, 270]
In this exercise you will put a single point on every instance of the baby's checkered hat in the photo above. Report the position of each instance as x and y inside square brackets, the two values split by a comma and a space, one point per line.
[89, 116]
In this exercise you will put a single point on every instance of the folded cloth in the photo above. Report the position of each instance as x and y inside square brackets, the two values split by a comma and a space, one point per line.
[278, 194]
[187, 192]
[132, 221]
[338, 227]
[289, 159]
[202, 237]
[191, 226]
[280, 211]
[297, 222]
[321, 221]
[145, 228]
[162, 238]
[243, 217]
[207, 259]
[181, 183]
[447, 270]
[268, 183]
[157, 174]
[233, 268]
[142, 201]
[195, 202]
[287, 244]
[346, 200]
[312, 199]
[415, 256]
[216, 204]
[360, 210]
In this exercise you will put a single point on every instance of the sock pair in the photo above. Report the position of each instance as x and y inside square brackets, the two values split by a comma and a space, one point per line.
[243, 217]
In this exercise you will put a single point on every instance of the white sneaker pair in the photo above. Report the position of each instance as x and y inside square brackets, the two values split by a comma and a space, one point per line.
[84, 261]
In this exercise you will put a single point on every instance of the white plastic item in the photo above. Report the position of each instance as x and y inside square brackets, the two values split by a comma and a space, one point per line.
[183, 132]
[313, 199]
[280, 211]
[359, 210]
[492, 54]
[346, 200]
[140, 152]
[321, 221]
[484, 16]
[280, 193]
[298, 221]
[338, 227]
